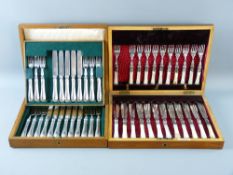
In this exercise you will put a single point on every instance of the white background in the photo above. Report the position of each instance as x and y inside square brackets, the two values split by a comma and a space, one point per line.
[126, 161]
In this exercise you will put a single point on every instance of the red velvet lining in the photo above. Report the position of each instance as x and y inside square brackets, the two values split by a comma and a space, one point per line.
[170, 125]
[124, 62]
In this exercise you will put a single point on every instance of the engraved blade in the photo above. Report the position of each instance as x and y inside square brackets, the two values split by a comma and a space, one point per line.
[79, 64]
[67, 63]
[202, 110]
[61, 63]
[73, 63]
[55, 62]
[187, 111]
[163, 110]
[171, 111]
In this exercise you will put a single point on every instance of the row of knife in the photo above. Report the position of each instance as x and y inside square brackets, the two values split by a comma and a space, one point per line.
[162, 50]
[63, 122]
[157, 115]
[80, 78]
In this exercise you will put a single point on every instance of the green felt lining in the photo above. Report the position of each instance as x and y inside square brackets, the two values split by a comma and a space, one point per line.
[30, 109]
[89, 49]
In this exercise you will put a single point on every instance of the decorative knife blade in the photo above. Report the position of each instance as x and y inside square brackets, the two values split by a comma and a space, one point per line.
[67, 76]
[172, 114]
[132, 120]
[116, 117]
[180, 115]
[46, 122]
[124, 113]
[139, 108]
[204, 115]
[66, 121]
[79, 75]
[57, 131]
[53, 121]
[155, 110]
[73, 75]
[72, 122]
[187, 113]
[61, 76]
[78, 123]
[195, 113]
[163, 112]
[147, 112]
[55, 75]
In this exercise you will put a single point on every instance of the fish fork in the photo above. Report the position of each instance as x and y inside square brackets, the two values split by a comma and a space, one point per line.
[30, 86]
[155, 51]
[155, 110]
[195, 113]
[132, 120]
[147, 112]
[92, 90]
[99, 82]
[162, 50]
[85, 67]
[39, 125]
[42, 79]
[117, 50]
[26, 126]
[66, 122]
[132, 50]
[185, 52]
[139, 67]
[170, 51]
[193, 51]
[201, 50]
[36, 84]
[147, 51]
[139, 108]
[178, 50]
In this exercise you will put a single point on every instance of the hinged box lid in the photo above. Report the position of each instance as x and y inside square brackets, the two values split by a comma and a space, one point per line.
[33, 34]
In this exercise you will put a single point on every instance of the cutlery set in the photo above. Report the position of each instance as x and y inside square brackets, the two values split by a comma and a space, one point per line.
[179, 120]
[36, 89]
[74, 78]
[74, 69]
[160, 64]
[63, 122]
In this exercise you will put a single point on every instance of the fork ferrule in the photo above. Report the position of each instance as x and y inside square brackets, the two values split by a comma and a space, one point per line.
[131, 68]
[145, 82]
[175, 81]
[138, 79]
[168, 78]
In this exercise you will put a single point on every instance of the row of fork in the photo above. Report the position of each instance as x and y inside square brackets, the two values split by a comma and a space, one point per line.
[178, 112]
[155, 50]
[34, 92]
